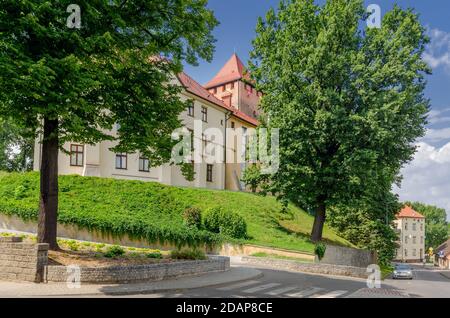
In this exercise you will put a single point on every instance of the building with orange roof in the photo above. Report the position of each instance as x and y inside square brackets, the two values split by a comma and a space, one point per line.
[210, 113]
[410, 226]
[233, 85]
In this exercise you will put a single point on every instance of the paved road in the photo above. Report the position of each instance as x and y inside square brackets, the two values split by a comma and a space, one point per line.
[276, 284]
[427, 282]
[285, 284]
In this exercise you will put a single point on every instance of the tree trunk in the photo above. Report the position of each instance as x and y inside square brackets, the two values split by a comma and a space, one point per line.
[319, 221]
[48, 205]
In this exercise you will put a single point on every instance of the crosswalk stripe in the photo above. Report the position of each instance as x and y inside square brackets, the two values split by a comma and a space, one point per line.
[239, 285]
[332, 294]
[305, 293]
[260, 288]
[281, 290]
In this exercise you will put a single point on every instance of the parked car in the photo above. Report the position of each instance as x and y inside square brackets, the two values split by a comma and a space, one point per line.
[402, 271]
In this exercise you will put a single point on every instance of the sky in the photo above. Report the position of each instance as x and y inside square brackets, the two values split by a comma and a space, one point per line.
[427, 177]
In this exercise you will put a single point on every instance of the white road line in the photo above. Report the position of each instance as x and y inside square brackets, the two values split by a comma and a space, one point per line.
[332, 294]
[260, 288]
[239, 285]
[305, 293]
[281, 290]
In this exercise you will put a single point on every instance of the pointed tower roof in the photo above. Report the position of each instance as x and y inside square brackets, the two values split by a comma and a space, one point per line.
[408, 212]
[233, 70]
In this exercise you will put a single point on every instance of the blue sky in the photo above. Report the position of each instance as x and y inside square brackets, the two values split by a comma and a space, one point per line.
[427, 177]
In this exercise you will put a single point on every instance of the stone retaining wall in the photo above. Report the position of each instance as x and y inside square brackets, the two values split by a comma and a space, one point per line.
[339, 255]
[137, 273]
[316, 268]
[22, 261]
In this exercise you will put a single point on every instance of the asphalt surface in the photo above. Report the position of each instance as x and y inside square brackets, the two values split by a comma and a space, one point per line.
[285, 284]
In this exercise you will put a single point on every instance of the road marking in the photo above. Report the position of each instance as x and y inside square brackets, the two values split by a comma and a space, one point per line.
[305, 293]
[281, 290]
[333, 294]
[239, 285]
[260, 288]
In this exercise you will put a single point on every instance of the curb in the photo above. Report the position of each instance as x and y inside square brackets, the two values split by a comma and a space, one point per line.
[135, 289]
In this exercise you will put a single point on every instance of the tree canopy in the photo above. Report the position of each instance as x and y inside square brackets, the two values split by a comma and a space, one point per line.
[75, 84]
[348, 100]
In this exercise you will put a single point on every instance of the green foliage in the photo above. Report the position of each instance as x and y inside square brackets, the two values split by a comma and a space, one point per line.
[368, 223]
[156, 255]
[193, 217]
[219, 220]
[190, 254]
[319, 250]
[253, 178]
[16, 147]
[436, 228]
[72, 245]
[154, 212]
[114, 251]
[349, 103]
[103, 73]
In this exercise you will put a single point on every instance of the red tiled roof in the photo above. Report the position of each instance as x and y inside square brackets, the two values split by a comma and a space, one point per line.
[233, 70]
[245, 117]
[444, 247]
[195, 88]
[408, 212]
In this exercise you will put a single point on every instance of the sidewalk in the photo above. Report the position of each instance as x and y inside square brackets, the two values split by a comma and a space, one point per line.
[235, 274]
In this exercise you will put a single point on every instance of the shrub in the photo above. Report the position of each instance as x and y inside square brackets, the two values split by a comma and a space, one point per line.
[191, 254]
[73, 245]
[156, 255]
[228, 223]
[319, 250]
[193, 217]
[114, 251]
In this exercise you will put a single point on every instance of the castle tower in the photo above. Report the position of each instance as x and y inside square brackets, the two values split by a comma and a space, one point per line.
[232, 84]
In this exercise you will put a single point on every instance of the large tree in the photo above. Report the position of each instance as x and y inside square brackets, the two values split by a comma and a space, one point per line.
[436, 230]
[74, 84]
[348, 100]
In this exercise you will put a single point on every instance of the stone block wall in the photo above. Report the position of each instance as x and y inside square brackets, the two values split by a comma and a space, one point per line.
[339, 255]
[138, 273]
[22, 261]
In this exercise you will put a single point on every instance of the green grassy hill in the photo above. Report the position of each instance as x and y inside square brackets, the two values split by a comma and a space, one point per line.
[153, 211]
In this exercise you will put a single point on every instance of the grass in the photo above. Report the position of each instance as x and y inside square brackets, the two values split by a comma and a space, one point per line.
[386, 271]
[290, 258]
[154, 212]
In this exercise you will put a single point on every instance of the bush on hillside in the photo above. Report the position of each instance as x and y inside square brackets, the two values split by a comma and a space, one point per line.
[193, 217]
[191, 254]
[219, 220]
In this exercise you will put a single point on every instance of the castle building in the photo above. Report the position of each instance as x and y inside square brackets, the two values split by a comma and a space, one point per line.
[213, 110]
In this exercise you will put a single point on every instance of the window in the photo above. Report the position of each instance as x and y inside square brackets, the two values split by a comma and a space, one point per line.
[232, 124]
[414, 252]
[406, 226]
[191, 109]
[204, 114]
[191, 134]
[209, 173]
[414, 240]
[215, 90]
[223, 88]
[406, 252]
[76, 155]
[414, 226]
[421, 226]
[406, 240]
[121, 161]
[421, 240]
[144, 164]
[232, 85]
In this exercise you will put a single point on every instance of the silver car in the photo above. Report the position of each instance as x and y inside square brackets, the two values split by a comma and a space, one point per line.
[402, 271]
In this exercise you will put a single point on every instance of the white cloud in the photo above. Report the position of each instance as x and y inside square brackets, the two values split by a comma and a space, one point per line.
[427, 177]
[438, 51]
[436, 135]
